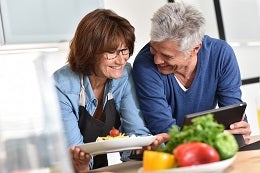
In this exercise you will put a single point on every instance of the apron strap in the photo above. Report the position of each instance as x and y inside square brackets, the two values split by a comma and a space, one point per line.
[109, 96]
[82, 92]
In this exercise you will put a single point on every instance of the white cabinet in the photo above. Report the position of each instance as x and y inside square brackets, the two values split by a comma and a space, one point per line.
[41, 21]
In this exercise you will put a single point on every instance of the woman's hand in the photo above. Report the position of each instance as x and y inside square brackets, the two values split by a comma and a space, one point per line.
[243, 128]
[160, 139]
[80, 160]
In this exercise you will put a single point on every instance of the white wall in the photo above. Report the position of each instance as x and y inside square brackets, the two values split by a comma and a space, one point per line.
[207, 8]
[249, 93]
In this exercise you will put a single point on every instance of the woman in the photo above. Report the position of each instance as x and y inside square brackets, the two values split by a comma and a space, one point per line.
[95, 89]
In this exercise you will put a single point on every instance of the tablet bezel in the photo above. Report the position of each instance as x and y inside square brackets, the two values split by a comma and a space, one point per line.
[234, 113]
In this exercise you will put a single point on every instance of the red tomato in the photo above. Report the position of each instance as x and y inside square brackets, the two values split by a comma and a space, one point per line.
[195, 153]
[114, 132]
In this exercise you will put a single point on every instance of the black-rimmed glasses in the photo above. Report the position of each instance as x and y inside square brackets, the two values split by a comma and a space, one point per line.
[112, 55]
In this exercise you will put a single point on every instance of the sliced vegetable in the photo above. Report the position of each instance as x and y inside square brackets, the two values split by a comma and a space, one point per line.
[154, 160]
[195, 153]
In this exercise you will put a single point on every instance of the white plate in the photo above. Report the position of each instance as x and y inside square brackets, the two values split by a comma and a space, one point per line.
[116, 145]
[216, 167]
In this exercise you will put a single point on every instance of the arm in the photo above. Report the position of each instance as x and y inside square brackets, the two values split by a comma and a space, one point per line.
[151, 93]
[81, 161]
[132, 119]
[229, 91]
[69, 119]
[126, 103]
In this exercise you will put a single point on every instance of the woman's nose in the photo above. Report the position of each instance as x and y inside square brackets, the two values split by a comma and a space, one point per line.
[120, 59]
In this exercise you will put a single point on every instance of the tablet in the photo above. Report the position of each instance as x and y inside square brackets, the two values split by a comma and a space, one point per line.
[225, 115]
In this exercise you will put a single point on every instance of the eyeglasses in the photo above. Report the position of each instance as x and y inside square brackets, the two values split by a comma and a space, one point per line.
[112, 55]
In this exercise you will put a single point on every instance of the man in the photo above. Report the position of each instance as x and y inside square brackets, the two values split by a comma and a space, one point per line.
[182, 71]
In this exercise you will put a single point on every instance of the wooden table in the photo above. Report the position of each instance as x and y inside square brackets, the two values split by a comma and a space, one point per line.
[246, 161]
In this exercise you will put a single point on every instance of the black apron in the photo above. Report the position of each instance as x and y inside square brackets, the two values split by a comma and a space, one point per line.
[91, 128]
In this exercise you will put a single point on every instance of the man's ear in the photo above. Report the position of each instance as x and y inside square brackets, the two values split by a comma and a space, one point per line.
[196, 49]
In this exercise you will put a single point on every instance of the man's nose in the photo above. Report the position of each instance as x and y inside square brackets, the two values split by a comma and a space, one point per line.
[158, 59]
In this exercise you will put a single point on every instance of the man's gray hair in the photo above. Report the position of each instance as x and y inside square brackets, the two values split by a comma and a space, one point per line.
[178, 22]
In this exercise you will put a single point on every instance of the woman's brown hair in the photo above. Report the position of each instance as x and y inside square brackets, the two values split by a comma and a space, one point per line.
[100, 31]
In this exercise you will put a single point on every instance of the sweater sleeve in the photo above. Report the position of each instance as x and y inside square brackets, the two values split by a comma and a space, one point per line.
[229, 78]
[151, 93]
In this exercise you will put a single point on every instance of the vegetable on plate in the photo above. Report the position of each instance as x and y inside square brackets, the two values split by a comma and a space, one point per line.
[154, 160]
[114, 132]
[195, 153]
[204, 141]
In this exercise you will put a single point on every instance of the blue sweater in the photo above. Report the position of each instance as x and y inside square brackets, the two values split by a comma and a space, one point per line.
[164, 103]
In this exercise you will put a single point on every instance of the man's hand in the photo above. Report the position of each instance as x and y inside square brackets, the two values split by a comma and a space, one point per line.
[160, 139]
[243, 128]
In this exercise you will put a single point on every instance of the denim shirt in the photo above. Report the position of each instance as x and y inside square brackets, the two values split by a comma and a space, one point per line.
[68, 88]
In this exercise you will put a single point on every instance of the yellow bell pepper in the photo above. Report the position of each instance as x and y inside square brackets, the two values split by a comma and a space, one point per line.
[155, 160]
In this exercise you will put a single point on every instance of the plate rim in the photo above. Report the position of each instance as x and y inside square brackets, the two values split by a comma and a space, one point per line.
[111, 142]
[112, 151]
